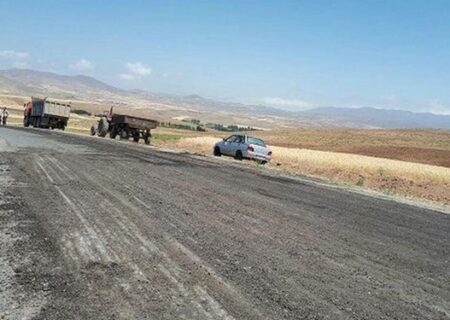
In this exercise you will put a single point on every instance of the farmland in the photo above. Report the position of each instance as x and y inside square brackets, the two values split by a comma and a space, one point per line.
[421, 146]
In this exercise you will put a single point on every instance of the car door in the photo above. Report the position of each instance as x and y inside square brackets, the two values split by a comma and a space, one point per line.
[236, 144]
[227, 145]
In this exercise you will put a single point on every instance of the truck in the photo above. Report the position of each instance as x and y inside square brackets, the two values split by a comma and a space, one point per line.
[45, 113]
[125, 126]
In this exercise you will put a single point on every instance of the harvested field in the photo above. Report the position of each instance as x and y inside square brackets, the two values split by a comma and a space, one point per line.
[422, 146]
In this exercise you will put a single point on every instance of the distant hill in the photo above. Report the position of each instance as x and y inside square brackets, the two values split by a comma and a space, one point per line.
[379, 118]
[80, 87]
[30, 82]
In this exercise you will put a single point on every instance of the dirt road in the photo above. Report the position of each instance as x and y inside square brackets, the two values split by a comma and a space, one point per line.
[97, 229]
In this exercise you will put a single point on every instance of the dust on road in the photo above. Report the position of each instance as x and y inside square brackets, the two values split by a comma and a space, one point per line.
[93, 229]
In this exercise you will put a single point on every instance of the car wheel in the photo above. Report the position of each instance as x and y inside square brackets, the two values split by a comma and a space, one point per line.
[217, 152]
[238, 155]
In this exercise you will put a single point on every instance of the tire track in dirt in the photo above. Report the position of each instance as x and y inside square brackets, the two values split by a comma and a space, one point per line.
[123, 203]
[362, 259]
[94, 238]
[333, 260]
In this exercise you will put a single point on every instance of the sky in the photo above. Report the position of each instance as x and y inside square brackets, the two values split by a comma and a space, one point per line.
[294, 55]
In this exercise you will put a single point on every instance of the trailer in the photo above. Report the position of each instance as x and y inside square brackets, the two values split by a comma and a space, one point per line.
[124, 126]
[44, 113]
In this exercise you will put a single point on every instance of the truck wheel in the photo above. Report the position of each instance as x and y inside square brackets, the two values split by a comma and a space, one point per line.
[26, 122]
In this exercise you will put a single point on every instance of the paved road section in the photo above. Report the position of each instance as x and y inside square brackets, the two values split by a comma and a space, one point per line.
[98, 229]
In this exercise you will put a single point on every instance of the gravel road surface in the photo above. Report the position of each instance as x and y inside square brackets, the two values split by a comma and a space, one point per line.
[97, 229]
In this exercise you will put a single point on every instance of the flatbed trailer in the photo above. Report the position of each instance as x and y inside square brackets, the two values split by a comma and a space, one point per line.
[124, 126]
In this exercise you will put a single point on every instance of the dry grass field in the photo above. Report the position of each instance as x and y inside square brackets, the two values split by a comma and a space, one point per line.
[422, 146]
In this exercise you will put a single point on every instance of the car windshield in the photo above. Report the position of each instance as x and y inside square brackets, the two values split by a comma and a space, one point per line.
[256, 141]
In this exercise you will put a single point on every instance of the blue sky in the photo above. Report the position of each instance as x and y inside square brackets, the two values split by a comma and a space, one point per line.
[290, 54]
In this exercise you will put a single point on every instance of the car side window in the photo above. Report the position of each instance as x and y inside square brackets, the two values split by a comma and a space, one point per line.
[231, 139]
[240, 139]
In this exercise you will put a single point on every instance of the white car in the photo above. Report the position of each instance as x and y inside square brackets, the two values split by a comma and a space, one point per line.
[243, 147]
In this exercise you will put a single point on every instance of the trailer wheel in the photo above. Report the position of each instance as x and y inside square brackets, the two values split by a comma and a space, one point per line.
[124, 134]
[146, 136]
[113, 132]
[136, 135]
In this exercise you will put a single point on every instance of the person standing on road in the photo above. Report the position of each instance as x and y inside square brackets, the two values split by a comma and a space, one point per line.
[4, 116]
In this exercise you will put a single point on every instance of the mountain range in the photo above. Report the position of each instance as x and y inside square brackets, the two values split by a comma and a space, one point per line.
[83, 88]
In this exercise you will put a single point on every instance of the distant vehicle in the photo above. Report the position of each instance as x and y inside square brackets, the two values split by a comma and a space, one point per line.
[243, 147]
[44, 113]
[124, 126]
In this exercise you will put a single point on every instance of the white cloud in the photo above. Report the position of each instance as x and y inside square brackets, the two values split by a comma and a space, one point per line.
[127, 76]
[286, 103]
[11, 54]
[437, 106]
[82, 65]
[135, 70]
[20, 65]
[390, 100]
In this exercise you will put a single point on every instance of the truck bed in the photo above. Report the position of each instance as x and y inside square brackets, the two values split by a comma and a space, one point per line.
[50, 108]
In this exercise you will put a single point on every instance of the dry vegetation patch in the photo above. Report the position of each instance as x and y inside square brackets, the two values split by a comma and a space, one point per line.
[421, 146]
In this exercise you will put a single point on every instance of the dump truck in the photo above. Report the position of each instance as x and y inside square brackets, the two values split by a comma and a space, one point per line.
[45, 113]
[124, 126]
